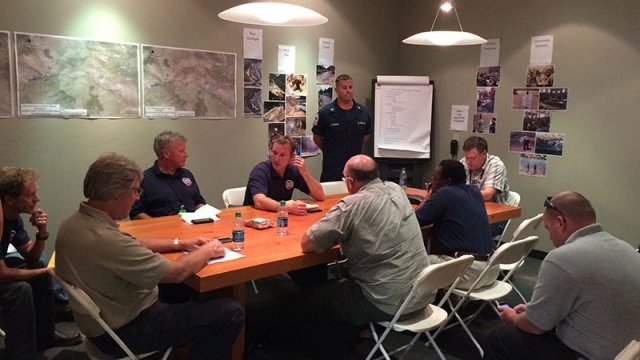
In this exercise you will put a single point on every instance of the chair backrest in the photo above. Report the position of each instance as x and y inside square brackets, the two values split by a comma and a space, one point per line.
[81, 303]
[234, 197]
[334, 187]
[438, 276]
[527, 227]
[513, 252]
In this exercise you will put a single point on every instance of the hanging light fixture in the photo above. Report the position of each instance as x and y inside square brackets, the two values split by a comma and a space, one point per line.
[445, 38]
[273, 14]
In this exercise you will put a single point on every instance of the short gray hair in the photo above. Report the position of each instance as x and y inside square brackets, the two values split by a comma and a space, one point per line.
[110, 176]
[165, 139]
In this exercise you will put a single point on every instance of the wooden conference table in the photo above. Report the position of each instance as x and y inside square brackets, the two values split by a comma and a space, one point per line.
[266, 253]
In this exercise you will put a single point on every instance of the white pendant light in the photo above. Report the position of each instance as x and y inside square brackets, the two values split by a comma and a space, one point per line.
[445, 38]
[273, 14]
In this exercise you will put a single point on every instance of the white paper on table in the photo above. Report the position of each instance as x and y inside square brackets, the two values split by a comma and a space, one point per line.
[229, 255]
[206, 211]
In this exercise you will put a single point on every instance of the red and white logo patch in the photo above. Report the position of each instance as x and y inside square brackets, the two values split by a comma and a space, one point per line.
[187, 181]
[289, 184]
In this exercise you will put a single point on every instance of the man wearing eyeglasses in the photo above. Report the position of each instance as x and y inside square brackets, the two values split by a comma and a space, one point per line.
[585, 300]
[488, 173]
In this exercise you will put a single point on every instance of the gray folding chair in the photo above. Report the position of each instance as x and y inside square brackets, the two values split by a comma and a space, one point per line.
[432, 278]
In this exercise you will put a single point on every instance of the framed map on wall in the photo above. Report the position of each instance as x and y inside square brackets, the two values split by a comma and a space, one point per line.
[185, 83]
[6, 100]
[72, 77]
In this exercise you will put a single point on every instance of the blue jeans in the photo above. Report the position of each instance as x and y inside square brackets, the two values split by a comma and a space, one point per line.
[212, 326]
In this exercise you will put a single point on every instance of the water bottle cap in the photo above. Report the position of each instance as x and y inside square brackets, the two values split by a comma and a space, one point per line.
[282, 202]
[237, 213]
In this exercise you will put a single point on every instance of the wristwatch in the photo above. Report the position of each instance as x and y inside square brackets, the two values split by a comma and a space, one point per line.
[40, 236]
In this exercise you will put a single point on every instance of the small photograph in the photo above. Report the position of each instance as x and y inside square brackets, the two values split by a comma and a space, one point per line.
[522, 141]
[486, 99]
[309, 148]
[273, 111]
[540, 75]
[325, 75]
[549, 143]
[297, 144]
[554, 98]
[296, 84]
[295, 126]
[325, 95]
[276, 86]
[525, 99]
[533, 165]
[253, 72]
[252, 102]
[488, 76]
[484, 123]
[275, 129]
[295, 106]
[536, 121]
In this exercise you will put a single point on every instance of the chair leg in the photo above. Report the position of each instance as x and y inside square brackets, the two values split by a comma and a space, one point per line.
[2, 333]
[473, 339]
[255, 288]
[435, 346]
[524, 300]
[379, 341]
[167, 353]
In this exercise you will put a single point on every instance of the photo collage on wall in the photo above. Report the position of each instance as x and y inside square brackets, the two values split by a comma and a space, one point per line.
[485, 118]
[539, 98]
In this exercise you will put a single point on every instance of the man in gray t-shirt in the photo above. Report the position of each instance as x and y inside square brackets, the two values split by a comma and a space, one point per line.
[379, 234]
[584, 301]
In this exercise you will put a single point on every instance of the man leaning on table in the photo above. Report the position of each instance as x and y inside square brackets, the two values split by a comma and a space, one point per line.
[273, 180]
[460, 223]
[585, 300]
[121, 275]
[379, 234]
[168, 186]
[488, 173]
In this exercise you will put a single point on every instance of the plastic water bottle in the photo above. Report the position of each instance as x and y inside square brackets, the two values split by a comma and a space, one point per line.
[237, 234]
[283, 218]
[403, 178]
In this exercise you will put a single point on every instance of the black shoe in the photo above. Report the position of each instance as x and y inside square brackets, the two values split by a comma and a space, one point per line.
[61, 339]
[63, 313]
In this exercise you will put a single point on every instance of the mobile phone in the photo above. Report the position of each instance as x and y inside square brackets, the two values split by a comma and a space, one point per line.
[202, 221]
[224, 239]
[313, 210]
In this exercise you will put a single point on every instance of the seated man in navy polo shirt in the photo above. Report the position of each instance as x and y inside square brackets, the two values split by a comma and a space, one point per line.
[460, 223]
[168, 186]
[273, 180]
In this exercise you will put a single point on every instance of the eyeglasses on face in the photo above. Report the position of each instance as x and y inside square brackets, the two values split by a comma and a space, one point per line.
[137, 190]
[549, 205]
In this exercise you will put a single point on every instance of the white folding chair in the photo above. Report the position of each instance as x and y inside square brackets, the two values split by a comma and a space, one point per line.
[233, 197]
[81, 303]
[630, 352]
[513, 200]
[334, 187]
[525, 229]
[434, 277]
[512, 252]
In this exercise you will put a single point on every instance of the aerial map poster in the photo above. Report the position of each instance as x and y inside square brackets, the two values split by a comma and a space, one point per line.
[188, 83]
[71, 77]
[6, 105]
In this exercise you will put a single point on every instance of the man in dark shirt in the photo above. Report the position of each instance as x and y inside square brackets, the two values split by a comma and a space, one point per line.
[26, 296]
[273, 180]
[340, 129]
[168, 187]
[460, 223]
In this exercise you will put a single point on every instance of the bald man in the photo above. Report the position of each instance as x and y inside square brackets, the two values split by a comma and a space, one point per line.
[379, 233]
[585, 301]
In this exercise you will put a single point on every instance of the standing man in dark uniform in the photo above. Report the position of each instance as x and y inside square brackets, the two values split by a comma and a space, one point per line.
[340, 129]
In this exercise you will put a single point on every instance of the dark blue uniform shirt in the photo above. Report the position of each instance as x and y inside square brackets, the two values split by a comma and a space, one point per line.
[13, 232]
[459, 220]
[264, 180]
[166, 194]
[343, 132]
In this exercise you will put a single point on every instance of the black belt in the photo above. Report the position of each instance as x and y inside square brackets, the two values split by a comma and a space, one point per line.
[476, 257]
